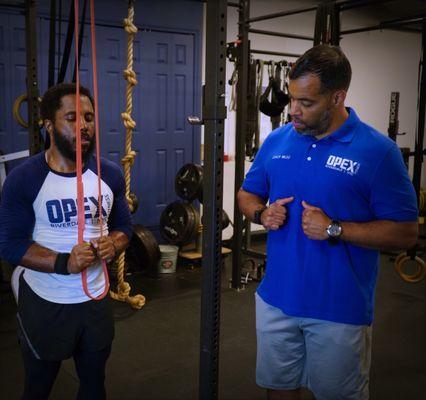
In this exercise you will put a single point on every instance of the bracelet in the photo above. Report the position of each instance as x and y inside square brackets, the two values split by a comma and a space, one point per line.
[61, 264]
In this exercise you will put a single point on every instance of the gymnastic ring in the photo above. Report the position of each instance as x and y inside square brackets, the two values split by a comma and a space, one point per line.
[399, 257]
[17, 106]
[414, 278]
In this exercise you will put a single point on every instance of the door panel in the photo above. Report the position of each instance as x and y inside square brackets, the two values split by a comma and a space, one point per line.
[161, 101]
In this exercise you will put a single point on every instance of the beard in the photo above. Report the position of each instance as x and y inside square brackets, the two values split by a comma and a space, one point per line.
[319, 127]
[66, 147]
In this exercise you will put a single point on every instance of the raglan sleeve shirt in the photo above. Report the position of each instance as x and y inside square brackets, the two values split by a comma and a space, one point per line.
[16, 216]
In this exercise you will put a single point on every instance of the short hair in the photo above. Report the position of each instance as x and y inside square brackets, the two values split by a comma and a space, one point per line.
[327, 62]
[51, 101]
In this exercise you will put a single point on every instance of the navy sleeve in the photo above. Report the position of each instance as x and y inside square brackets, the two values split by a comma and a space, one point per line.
[16, 218]
[392, 194]
[119, 219]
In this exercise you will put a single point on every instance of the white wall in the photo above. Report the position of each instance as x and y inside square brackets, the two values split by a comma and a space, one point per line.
[382, 62]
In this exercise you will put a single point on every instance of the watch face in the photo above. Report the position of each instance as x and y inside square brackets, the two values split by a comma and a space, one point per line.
[334, 230]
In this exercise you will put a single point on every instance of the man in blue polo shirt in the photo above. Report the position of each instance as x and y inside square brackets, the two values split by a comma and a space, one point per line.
[338, 192]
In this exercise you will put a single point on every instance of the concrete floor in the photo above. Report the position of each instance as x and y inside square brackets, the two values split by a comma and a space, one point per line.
[156, 351]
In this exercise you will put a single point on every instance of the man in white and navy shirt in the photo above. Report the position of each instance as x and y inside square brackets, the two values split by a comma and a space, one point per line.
[39, 231]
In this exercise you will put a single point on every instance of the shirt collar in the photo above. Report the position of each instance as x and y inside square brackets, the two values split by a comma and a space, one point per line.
[346, 131]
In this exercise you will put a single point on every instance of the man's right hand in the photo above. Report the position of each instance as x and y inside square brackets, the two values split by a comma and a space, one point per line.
[82, 256]
[276, 214]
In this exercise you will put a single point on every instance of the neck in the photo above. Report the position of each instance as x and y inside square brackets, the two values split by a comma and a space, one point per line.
[337, 121]
[58, 162]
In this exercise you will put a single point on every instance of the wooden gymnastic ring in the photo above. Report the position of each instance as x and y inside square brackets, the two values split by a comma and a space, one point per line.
[16, 110]
[414, 278]
[399, 257]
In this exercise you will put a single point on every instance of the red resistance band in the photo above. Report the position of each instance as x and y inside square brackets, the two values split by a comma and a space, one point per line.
[79, 164]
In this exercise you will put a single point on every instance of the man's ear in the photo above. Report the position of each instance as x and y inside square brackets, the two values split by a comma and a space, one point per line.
[339, 98]
[48, 124]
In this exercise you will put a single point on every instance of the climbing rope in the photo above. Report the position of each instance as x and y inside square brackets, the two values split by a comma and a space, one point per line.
[123, 288]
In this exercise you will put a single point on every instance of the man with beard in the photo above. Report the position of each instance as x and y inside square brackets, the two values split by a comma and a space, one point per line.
[338, 192]
[38, 232]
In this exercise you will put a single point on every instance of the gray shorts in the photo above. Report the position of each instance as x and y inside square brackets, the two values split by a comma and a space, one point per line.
[329, 358]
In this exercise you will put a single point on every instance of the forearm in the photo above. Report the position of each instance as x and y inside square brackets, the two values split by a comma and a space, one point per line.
[39, 258]
[42, 259]
[120, 241]
[249, 203]
[381, 235]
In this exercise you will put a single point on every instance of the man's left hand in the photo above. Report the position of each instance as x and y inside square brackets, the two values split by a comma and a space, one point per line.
[314, 222]
[104, 247]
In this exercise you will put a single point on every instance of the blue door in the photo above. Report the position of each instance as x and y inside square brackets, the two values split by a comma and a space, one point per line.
[162, 100]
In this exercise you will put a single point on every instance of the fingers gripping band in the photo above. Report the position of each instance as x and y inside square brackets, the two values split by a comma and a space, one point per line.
[61, 264]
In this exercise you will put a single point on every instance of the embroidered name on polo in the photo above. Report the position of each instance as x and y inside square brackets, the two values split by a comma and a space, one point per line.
[342, 164]
[281, 157]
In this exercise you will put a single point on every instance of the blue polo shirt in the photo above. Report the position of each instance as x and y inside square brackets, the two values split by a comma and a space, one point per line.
[355, 174]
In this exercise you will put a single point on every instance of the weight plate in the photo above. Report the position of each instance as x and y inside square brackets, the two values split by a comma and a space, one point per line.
[189, 182]
[225, 219]
[179, 223]
[143, 251]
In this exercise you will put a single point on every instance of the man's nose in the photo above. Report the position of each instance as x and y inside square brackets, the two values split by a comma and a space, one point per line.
[294, 108]
[83, 123]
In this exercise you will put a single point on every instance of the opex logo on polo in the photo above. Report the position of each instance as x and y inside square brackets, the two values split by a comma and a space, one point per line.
[61, 211]
[342, 164]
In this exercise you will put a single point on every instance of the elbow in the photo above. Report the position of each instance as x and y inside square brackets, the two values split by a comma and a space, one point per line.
[240, 196]
[409, 238]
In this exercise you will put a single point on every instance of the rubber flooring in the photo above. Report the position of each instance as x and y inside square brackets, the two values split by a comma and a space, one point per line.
[156, 350]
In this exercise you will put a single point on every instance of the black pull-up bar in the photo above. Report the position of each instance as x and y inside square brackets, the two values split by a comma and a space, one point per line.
[387, 24]
[275, 53]
[286, 35]
[348, 5]
[281, 14]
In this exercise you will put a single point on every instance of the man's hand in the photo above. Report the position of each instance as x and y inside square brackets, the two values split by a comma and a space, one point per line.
[275, 215]
[81, 257]
[104, 248]
[314, 222]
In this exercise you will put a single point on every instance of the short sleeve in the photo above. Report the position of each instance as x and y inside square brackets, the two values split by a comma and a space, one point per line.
[256, 180]
[392, 194]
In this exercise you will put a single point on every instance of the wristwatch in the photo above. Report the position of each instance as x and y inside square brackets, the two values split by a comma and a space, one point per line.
[258, 214]
[334, 230]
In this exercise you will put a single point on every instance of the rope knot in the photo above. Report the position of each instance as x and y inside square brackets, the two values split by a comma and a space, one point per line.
[130, 77]
[131, 204]
[128, 121]
[123, 289]
[129, 158]
[129, 27]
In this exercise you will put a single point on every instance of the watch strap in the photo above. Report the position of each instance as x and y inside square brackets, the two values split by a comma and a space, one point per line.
[257, 217]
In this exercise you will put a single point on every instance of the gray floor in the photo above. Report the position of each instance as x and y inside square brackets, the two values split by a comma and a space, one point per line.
[156, 350]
